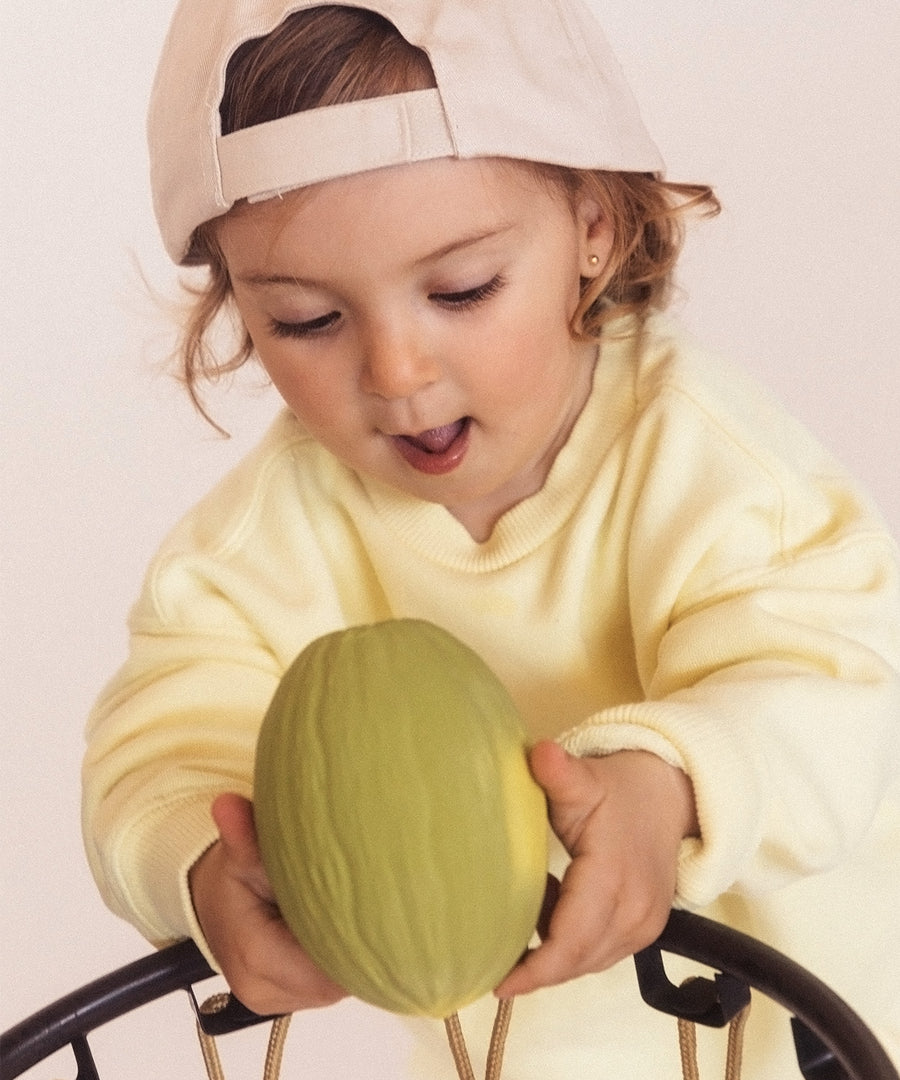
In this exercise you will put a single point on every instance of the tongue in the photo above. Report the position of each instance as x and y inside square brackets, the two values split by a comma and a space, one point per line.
[438, 439]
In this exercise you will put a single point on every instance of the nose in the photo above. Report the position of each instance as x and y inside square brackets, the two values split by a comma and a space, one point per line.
[397, 362]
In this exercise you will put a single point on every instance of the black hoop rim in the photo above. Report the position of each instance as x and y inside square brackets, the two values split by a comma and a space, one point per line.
[691, 936]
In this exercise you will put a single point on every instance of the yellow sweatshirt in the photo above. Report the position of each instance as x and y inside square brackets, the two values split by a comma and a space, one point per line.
[696, 578]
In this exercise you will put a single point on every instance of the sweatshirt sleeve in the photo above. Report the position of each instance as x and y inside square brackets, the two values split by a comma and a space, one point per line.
[226, 605]
[766, 623]
[175, 728]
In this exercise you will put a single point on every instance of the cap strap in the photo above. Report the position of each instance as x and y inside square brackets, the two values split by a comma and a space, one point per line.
[336, 140]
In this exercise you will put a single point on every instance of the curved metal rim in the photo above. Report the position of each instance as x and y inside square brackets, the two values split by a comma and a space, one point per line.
[50, 1029]
[690, 936]
[784, 981]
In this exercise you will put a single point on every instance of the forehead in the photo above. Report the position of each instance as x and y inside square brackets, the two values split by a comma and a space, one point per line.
[418, 205]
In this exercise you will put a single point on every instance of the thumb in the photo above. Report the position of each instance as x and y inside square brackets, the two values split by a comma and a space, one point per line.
[556, 771]
[233, 817]
[569, 785]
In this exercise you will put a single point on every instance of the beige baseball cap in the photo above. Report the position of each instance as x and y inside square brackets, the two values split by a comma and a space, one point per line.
[529, 79]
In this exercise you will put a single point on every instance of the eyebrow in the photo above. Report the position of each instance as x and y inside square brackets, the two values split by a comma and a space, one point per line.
[465, 242]
[262, 279]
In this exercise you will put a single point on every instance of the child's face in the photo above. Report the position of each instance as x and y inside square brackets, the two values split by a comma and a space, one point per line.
[416, 320]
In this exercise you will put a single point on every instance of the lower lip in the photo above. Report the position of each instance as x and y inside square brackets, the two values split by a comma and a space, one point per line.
[435, 464]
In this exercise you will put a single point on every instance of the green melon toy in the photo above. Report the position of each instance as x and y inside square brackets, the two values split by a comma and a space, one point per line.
[399, 825]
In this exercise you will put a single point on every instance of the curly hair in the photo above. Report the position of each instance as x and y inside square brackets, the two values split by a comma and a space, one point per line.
[331, 55]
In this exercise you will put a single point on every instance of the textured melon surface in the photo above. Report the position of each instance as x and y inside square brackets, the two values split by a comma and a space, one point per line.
[398, 822]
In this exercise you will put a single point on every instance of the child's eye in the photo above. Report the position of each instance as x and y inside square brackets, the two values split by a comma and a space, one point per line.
[470, 297]
[308, 328]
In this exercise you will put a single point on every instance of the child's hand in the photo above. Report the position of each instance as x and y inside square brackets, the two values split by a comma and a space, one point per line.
[622, 819]
[265, 967]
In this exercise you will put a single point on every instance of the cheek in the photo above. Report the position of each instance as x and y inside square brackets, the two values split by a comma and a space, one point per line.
[537, 335]
[285, 376]
[519, 372]
[308, 389]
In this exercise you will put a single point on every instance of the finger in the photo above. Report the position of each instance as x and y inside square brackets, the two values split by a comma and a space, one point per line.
[277, 975]
[550, 767]
[233, 816]
[554, 961]
[565, 951]
[566, 779]
[572, 790]
[597, 922]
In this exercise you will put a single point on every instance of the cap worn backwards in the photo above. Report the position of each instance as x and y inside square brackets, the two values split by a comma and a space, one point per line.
[528, 79]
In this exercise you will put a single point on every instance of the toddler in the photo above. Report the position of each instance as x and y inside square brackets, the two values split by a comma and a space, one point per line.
[443, 231]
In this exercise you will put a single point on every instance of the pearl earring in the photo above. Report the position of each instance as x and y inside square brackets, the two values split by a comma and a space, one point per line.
[594, 260]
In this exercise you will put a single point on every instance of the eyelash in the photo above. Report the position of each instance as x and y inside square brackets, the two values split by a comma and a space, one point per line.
[310, 328]
[456, 301]
[470, 298]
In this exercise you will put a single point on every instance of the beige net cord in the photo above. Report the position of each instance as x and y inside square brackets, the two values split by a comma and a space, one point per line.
[279, 1031]
[495, 1052]
[687, 1042]
[274, 1052]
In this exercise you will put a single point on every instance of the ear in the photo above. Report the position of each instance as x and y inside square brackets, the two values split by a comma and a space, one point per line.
[595, 237]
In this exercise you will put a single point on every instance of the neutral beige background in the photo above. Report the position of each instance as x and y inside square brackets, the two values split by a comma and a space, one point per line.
[791, 108]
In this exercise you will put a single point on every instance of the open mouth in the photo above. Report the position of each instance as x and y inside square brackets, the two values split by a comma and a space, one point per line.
[438, 450]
